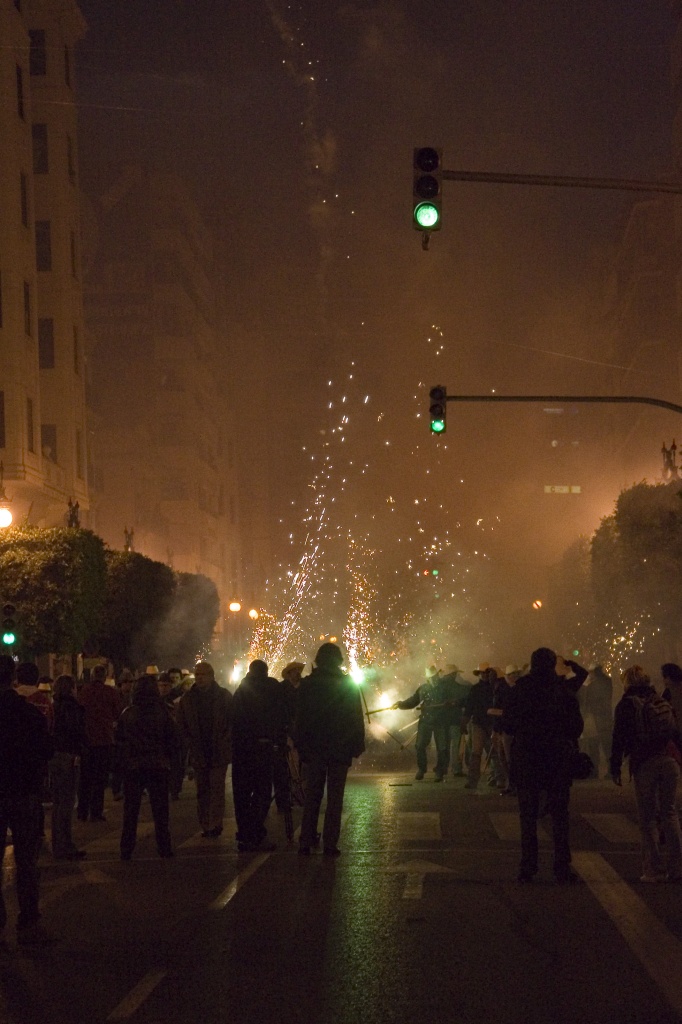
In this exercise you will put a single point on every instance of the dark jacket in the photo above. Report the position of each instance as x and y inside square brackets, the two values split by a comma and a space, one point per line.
[625, 742]
[456, 691]
[103, 705]
[543, 717]
[25, 746]
[477, 704]
[329, 723]
[145, 735]
[259, 712]
[431, 697]
[217, 703]
[69, 726]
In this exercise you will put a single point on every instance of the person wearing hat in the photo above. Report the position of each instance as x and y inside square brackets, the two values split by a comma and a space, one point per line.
[475, 716]
[455, 689]
[434, 722]
[329, 732]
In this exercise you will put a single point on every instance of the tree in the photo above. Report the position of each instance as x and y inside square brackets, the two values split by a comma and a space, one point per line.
[56, 578]
[637, 567]
[138, 597]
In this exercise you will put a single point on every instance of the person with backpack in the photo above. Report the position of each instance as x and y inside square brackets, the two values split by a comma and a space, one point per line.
[645, 731]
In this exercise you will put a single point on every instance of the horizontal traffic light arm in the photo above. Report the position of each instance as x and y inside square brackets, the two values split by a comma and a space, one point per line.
[569, 399]
[554, 181]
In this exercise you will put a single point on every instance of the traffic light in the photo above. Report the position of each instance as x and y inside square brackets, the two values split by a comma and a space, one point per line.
[437, 408]
[9, 625]
[427, 188]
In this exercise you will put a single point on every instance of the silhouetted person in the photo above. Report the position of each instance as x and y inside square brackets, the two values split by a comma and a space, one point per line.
[329, 733]
[69, 744]
[103, 706]
[205, 721]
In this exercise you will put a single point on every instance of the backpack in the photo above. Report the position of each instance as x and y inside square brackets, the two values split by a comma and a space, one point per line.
[654, 719]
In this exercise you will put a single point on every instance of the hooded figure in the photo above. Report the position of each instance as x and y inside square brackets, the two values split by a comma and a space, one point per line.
[543, 718]
[259, 721]
[329, 732]
[146, 742]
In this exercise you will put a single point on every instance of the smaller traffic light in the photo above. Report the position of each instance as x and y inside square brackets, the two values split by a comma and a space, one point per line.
[9, 625]
[427, 188]
[437, 408]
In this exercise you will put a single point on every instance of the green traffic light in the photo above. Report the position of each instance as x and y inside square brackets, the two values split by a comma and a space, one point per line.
[437, 426]
[9, 639]
[426, 215]
[434, 572]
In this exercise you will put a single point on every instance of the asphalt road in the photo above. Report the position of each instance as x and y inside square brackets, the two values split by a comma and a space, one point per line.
[420, 919]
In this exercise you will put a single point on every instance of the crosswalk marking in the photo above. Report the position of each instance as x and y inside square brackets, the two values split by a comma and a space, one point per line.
[616, 828]
[226, 839]
[508, 827]
[419, 825]
[658, 950]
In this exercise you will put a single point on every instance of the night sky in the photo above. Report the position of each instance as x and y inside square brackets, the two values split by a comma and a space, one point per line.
[293, 125]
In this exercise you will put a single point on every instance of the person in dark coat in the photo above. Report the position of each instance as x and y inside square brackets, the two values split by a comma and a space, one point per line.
[329, 732]
[259, 729]
[146, 742]
[25, 749]
[543, 718]
[103, 706]
[655, 771]
[434, 721]
[478, 702]
[69, 744]
[205, 721]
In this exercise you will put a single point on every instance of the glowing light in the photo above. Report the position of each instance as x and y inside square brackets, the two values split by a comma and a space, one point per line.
[537, 604]
[6, 518]
[254, 614]
[235, 606]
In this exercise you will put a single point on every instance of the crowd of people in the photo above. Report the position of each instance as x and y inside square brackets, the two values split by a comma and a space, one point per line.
[71, 739]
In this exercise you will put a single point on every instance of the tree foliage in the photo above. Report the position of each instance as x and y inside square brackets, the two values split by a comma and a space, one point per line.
[637, 561]
[138, 598]
[189, 625]
[56, 578]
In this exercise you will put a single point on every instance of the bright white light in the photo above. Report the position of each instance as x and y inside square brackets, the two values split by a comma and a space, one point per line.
[5, 518]
[235, 606]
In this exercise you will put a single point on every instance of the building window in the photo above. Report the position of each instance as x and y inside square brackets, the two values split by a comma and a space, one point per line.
[20, 92]
[70, 161]
[76, 352]
[74, 266]
[67, 66]
[48, 441]
[40, 151]
[23, 187]
[43, 245]
[28, 327]
[30, 440]
[2, 419]
[79, 455]
[37, 59]
[46, 343]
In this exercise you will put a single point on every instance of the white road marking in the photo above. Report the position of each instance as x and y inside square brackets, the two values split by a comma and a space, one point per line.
[508, 826]
[657, 949]
[227, 837]
[112, 840]
[132, 1002]
[238, 883]
[415, 872]
[616, 828]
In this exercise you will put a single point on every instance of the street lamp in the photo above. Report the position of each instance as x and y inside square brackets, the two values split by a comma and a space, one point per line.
[6, 516]
[235, 606]
[253, 614]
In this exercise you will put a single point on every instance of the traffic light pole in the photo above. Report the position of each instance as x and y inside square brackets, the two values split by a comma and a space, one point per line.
[554, 181]
[569, 399]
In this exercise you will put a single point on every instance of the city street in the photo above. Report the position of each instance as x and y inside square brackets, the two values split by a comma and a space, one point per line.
[421, 918]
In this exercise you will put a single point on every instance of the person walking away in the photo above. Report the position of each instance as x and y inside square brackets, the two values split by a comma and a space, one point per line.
[645, 731]
[25, 749]
[543, 718]
[69, 744]
[146, 742]
[598, 692]
[434, 722]
[672, 677]
[171, 697]
[329, 733]
[124, 684]
[102, 704]
[291, 680]
[498, 760]
[475, 714]
[455, 690]
[205, 721]
[259, 725]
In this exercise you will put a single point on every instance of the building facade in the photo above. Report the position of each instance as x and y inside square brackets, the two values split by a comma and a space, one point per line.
[42, 372]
